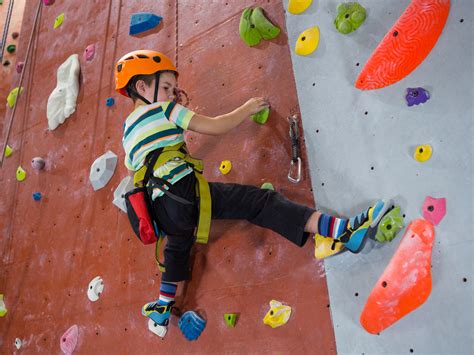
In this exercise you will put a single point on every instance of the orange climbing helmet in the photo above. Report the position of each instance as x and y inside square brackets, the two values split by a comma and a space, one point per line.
[141, 62]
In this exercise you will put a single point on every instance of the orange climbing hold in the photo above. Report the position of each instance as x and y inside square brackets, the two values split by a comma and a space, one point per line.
[406, 44]
[406, 281]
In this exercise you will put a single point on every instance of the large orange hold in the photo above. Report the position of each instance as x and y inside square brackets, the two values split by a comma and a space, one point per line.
[406, 281]
[405, 45]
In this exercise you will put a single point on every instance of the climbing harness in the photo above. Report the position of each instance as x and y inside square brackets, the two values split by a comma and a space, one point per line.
[295, 150]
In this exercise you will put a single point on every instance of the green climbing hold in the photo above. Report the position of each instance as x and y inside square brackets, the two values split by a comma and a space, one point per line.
[20, 174]
[8, 151]
[59, 20]
[11, 48]
[350, 16]
[267, 29]
[261, 116]
[389, 226]
[230, 319]
[267, 186]
[254, 26]
[12, 96]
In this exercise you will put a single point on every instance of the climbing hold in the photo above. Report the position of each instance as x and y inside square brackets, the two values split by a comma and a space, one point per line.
[350, 16]
[18, 343]
[37, 196]
[20, 174]
[12, 96]
[59, 20]
[261, 116]
[296, 7]
[249, 34]
[125, 186]
[3, 308]
[422, 153]
[95, 288]
[102, 170]
[68, 341]
[19, 67]
[48, 2]
[267, 186]
[89, 52]
[11, 48]
[308, 41]
[434, 209]
[325, 246]
[225, 167]
[230, 319]
[6, 63]
[191, 325]
[157, 329]
[406, 45]
[405, 283]
[109, 102]
[8, 151]
[416, 96]
[62, 101]
[15, 35]
[37, 163]
[390, 225]
[267, 29]
[143, 21]
[278, 314]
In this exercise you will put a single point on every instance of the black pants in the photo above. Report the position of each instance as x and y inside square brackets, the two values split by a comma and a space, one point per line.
[265, 208]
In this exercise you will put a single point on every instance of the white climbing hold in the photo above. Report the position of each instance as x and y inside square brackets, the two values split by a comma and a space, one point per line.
[37, 163]
[102, 170]
[62, 101]
[157, 329]
[119, 195]
[18, 343]
[95, 288]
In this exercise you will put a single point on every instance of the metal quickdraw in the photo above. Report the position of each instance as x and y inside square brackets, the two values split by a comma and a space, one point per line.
[295, 150]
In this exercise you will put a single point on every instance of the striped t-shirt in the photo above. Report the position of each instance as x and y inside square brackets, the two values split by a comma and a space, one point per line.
[154, 126]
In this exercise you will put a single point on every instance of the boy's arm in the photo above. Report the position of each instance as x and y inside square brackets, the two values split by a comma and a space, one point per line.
[224, 123]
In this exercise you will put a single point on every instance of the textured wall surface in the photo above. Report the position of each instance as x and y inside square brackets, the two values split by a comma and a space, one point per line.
[360, 147]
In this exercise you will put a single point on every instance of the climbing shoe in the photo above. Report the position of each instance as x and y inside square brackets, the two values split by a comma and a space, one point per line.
[249, 34]
[158, 313]
[267, 29]
[363, 226]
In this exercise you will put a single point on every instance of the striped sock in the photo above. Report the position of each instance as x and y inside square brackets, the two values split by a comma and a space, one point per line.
[167, 293]
[332, 227]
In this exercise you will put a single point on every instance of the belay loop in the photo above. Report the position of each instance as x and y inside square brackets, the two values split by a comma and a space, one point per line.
[295, 150]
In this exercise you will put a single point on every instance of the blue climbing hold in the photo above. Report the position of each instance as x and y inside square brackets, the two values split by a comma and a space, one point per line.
[143, 21]
[110, 101]
[191, 325]
[37, 196]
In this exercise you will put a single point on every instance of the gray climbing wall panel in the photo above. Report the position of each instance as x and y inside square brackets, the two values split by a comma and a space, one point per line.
[348, 132]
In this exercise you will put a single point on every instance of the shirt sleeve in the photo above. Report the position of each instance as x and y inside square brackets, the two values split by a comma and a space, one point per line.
[179, 115]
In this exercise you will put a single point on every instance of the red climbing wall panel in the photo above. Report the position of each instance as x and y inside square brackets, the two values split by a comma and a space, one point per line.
[53, 248]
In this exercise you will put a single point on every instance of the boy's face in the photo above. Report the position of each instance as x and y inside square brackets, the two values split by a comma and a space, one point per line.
[166, 89]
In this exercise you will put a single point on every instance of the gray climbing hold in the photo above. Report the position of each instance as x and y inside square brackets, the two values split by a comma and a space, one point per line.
[119, 195]
[37, 163]
[102, 170]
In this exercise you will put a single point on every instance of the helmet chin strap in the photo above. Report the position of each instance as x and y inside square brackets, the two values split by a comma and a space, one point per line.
[155, 95]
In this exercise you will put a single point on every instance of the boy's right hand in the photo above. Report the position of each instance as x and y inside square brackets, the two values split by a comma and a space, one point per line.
[254, 105]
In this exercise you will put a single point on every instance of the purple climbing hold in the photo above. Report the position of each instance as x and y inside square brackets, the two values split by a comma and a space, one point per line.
[48, 2]
[89, 52]
[143, 21]
[416, 96]
[19, 67]
[37, 196]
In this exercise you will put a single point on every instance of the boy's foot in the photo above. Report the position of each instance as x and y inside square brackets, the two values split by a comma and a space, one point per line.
[364, 225]
[158, 313]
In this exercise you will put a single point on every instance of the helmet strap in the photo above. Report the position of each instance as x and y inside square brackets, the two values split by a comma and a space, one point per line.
[157, 83]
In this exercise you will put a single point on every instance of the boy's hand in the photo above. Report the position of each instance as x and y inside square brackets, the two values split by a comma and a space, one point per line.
[254, 105]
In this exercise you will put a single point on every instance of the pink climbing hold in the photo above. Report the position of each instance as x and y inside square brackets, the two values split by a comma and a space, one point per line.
[434, 209]
[89, 52]
[69, 340]
[19, 67]
[48, 2]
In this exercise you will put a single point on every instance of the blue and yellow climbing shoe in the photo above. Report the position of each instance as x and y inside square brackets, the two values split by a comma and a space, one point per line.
[363, 226]
[158, 313]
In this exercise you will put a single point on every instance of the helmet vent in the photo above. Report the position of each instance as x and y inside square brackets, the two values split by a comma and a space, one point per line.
[119, 68]
[129, 58]
[157, 59]
[142, 56]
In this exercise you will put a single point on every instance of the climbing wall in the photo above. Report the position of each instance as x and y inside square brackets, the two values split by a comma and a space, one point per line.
[360, 146]
[51, 249]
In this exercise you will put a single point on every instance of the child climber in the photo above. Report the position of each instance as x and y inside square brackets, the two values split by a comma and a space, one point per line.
[158, 121]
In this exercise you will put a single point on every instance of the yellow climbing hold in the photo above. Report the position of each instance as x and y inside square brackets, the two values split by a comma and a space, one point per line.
[8, 151]
[58, 21]
[323, 247]
[20, 174]
[278, 314]
[3, 308]
[225, 167]
[423, 153]
[11, 99]
[308, 41]
[296, 7]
